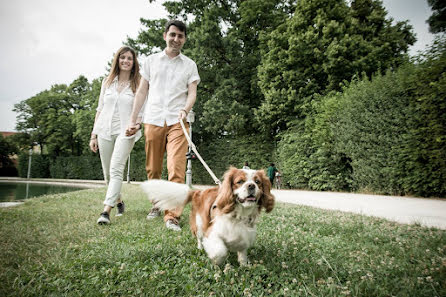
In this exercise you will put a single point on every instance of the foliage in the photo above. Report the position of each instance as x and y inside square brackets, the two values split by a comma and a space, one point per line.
[7, 149]
[40, 165]
[308, 155]
[381, 135]
[83, 117]
[321, 46]
[370, 129]
[76, 167]
[22, 141]
[52, 246]
[223, 41]
[425, 150]
[437, 21]
[219, 154]
[228, 151]
[48, 117]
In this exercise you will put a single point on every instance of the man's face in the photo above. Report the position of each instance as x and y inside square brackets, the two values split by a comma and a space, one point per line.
[174, 38]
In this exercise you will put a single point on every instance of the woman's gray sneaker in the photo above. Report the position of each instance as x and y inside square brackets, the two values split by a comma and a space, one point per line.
[104, 219]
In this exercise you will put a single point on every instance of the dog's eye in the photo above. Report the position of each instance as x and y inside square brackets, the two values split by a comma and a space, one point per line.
[240, 181]
[257, 182]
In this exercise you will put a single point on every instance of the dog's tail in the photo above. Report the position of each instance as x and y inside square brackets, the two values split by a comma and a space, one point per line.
[165, 194]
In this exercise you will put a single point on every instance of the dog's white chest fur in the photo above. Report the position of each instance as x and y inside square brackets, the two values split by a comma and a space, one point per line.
[235, 232]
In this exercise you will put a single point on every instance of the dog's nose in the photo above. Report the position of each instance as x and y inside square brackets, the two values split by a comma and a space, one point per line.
[251, 187]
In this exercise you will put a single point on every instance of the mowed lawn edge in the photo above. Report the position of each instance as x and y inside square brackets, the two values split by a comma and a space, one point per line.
[52, 246]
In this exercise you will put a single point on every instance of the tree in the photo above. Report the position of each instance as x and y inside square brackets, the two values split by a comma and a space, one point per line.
[83, 118]
[325, 43]
[437, 21]
[223, 39]
[48, 117]
[7, 149]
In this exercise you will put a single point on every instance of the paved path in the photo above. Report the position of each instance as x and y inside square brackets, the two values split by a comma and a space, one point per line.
[406, 210]
[427, 212]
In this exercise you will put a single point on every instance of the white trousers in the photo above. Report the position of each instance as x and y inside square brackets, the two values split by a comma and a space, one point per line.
[114, 154]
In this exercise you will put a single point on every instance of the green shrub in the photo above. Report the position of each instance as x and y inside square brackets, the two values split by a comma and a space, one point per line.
[8, 171]
[385, 135]
[39, 165]
[77, 167]
[424, 151]
[308, 153]
[228, 151]
[370, 129]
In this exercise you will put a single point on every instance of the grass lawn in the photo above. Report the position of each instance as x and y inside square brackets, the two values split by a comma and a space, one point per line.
[51, 246]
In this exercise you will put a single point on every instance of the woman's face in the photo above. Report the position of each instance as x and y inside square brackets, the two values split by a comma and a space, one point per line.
[126, 61]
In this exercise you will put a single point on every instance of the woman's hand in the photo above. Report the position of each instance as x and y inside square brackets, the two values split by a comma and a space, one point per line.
[132, 129]
[94, 145]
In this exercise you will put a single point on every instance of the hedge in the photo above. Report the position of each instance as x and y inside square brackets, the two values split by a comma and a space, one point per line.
[385, 135]
[219, 155]
[40, 165]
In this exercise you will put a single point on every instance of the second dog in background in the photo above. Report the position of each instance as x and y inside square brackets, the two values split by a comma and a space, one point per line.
[223, 218]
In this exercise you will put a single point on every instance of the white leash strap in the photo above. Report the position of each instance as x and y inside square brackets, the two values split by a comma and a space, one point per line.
[192, 145]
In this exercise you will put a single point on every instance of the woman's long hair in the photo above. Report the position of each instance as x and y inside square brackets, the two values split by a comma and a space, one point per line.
[114, 71]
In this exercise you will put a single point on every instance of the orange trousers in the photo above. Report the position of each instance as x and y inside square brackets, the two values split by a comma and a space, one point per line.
[160, 140]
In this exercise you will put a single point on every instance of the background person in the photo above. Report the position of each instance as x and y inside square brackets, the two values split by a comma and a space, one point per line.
[170, 80]
[113, 114]
[271, 173]
[278, 180]
[246, 166]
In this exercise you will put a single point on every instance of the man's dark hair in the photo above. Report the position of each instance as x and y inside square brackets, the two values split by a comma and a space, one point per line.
[179, 24]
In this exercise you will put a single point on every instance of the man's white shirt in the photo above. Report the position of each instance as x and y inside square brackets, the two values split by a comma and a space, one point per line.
[168, 85]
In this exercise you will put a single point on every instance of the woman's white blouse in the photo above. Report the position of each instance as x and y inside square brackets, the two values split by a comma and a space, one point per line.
[109, 101]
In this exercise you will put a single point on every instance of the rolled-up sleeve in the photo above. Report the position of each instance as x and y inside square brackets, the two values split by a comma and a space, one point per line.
[194, 75]
[101, 96]
[145, 70]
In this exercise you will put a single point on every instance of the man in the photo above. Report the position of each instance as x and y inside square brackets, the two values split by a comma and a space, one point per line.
[170, 80]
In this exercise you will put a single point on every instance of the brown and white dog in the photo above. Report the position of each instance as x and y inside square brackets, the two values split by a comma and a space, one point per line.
[223, 218]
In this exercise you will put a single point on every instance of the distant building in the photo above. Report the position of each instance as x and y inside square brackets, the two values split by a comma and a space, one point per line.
[6, 134]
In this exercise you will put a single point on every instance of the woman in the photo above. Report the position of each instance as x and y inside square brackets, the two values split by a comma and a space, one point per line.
[112, 117]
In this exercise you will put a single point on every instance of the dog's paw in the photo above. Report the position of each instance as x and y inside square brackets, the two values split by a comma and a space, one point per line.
[199, 245]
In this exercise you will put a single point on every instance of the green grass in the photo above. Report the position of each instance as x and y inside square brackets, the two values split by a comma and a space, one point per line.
[51, 246]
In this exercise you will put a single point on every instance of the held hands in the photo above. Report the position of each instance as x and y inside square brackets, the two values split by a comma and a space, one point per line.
[132, 129]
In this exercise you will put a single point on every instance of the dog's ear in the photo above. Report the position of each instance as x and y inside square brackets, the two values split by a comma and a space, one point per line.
[267, 199]
[225, 199]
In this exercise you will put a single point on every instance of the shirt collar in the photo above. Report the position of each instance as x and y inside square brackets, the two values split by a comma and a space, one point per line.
[180, 56]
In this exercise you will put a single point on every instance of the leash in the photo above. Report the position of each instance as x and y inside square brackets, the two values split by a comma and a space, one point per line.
[192, 146]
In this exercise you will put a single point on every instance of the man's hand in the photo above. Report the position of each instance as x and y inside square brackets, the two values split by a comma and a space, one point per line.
[182, 115]
[132, 129]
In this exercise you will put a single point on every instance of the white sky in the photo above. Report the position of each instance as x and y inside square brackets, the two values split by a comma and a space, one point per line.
[47, 42]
